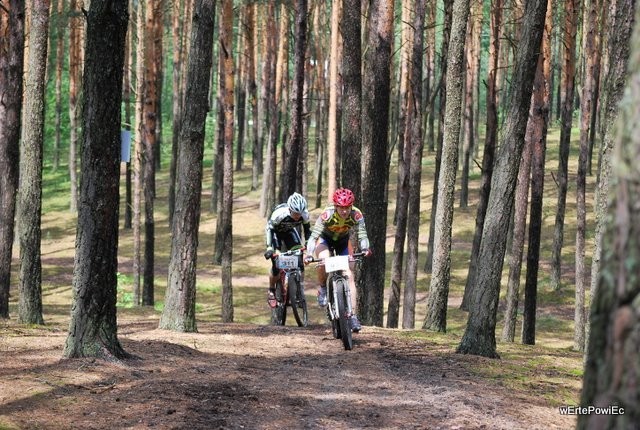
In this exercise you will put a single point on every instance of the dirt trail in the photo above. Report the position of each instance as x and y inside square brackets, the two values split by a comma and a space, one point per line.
[231, 376]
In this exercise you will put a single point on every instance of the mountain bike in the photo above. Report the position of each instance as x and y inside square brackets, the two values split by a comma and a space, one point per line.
[289, 288]
[339, 307]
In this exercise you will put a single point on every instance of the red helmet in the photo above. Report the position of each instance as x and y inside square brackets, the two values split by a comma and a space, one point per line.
[343, 197]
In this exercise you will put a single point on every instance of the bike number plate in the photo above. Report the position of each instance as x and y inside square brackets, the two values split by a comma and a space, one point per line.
[287, 262]
[335, 264]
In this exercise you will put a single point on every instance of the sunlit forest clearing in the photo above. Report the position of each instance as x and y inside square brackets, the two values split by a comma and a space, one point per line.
[555, 308]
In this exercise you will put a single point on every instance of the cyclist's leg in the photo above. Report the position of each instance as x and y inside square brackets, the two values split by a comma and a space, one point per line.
[322, 251]
[274, 273]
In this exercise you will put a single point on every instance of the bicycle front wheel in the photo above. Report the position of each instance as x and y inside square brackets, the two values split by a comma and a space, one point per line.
[343, 317]
[297, 300]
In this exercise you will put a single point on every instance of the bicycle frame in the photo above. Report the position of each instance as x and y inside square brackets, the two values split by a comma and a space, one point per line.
[289, 265]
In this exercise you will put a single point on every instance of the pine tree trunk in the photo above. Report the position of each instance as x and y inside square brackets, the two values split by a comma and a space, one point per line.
[75, 80]
[150, 142]
[11, 70]
[542, 101]
[93, 326]
[60, 23]
[270, 114]
[126, 100]
[448, 5]
[332, 127]
[31, 149]
[491, 132]
[611, 368]
[178, 58]
[568, 88]
[586, 102]
[619, 35]
[479, 337]
[319, 17]
[439, 288]
[416, 145]
[227, 98]
[352, 95]
[180, 297]
[252, 93]
[291, 166]
[468, 142]
[241, 93]
[375, 133]
[138, 162]
[519, 229]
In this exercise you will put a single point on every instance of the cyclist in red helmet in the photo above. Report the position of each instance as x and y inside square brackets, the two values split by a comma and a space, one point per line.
[331, 233]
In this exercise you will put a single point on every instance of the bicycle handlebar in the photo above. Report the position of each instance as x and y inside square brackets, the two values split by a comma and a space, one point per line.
[296, 251]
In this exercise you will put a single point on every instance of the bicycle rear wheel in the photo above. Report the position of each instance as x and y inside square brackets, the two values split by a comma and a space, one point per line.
[279, 313]
[343, 317]
[297, 300]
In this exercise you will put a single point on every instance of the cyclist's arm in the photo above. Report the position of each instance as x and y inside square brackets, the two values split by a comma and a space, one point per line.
[317, 229]
[362, 230]
[268, 233]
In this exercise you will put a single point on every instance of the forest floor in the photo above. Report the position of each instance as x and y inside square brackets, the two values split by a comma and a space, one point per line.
[250, 374]
[234, 376]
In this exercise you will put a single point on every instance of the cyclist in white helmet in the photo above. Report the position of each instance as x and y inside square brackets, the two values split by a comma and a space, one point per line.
[282, 232]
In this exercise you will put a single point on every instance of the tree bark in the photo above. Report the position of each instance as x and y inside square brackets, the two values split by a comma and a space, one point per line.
[542, 102]
[416, 144]
[352, 94]
[178, 57]
[150, 142]
[611, 368]
[60, 23]
[227, 98]
[615, 82]
[126, 100]
[568, 88]
[586, 103]
[332, 127]
[93, 327]
[436, 318]
[519, 229]
[252, 91]
[375, 133]
[448, 5]
[491, 132]
[75, 81]
[479, 336]
[270, 114]
[469, 120]
[179, 308]
[138, 161]
[30, 189]
[292, 163]
[11, 69]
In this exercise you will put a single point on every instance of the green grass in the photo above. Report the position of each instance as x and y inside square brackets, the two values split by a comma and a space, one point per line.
[554, 325]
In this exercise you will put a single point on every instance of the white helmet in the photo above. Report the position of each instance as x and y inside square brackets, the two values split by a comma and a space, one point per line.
[297, 203]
